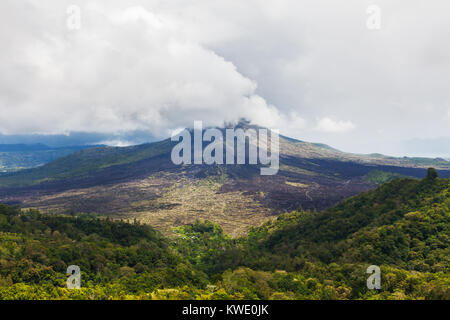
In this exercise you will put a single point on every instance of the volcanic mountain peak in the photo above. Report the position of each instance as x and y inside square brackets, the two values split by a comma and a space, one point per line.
[142, 182]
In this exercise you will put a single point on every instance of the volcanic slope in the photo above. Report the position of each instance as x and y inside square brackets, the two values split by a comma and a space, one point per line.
[141, 182]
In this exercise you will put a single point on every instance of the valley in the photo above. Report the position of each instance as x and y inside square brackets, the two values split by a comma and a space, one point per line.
[15, 157]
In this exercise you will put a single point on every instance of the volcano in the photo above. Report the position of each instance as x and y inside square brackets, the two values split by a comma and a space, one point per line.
[142, 183]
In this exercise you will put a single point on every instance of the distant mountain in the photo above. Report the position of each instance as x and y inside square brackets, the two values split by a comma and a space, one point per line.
[23, 147]
[14, 157]
[77, 138]
[142, 182]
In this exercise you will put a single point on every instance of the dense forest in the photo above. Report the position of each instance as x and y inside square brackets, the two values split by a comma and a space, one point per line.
[403, 226]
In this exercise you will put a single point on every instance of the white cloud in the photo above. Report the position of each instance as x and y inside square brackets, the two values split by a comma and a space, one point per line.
[124, 70]
[161, 64]
[330, 125]
[116, 143]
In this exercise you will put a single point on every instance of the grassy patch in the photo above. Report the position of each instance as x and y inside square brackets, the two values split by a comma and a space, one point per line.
[297, 184]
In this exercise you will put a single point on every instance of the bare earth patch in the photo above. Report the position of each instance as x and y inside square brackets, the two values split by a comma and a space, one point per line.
[186, 202]
[162, 200]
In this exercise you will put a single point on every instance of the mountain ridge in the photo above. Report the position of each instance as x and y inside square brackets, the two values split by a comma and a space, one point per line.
[141, 182]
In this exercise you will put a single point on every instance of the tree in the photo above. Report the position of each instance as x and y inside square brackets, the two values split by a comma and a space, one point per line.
[432, 174]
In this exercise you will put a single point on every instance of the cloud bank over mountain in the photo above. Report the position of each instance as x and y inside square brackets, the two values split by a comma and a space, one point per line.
[310, 68]
[124, 69]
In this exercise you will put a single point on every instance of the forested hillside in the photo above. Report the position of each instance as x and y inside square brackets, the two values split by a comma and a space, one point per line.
[403, 226]
[404, 223]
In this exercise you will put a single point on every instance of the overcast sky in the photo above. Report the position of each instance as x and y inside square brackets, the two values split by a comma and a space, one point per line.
[313, 69]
